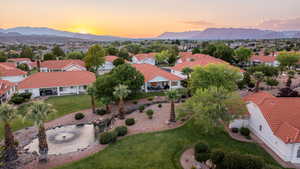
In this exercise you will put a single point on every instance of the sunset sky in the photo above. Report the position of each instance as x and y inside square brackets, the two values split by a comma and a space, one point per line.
[148, 18]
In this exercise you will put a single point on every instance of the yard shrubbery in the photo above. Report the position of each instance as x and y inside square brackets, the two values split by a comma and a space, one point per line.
[101, 112]
[108, 137]
[150, 113]
[121, 130]
[79, 116]
[130, 121]
[19, 98]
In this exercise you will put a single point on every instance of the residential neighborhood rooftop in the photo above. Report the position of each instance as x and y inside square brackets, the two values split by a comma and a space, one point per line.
[281, 113]
[5, 86]
[151, 71]
[9, 70]
[54, 79]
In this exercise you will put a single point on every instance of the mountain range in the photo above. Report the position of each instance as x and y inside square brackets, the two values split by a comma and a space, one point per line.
[44, 31]
[208, 34]
[230, 34]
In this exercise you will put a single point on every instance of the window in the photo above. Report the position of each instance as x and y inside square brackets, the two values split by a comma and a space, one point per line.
[298, 152]
[260, 127]
[61, 89]
[174, 83]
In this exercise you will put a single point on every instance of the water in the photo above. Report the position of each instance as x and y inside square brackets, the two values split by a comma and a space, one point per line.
[66, 139]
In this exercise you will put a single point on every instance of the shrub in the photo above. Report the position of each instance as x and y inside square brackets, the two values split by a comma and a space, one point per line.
[149, 113]
[232, 161]
[121, 130]
[245, 131]
[253, 162]
[202, 157]
[234, 130]
[135, 102]
[101, 112]
[150, 98]
[217, 156]
[141, 108]
[271, 167]
[108, 137]
[79, 116]
[130, 121]
[26, 95]
[159, 105]
[16, 99]
[201, 147]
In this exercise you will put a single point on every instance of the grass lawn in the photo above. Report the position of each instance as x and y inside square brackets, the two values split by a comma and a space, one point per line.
[161, 150]
[63, 104]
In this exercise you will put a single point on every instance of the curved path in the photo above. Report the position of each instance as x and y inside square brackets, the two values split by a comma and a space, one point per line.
[143, 125]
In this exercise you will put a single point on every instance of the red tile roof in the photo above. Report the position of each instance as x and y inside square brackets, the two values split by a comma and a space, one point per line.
[60, 64]
[199, 60]
[110, 58]
[281, 113]
[143, 56]
[151, 71]
[55, 79]
[7, 69]
[5, 86]
[263, 58]
[19, 59]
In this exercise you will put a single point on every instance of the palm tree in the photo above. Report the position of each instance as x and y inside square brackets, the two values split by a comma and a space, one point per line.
[259, 77]
[7, 114]
[38, 112]
[121, 92]
[91, 90]
[173, 95]
[187, 71]
[38, 59]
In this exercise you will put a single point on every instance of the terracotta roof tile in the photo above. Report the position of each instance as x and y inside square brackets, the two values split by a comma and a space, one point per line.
[143, 56]
[54, 79]
[9, 70]
[60, 64]
[151, 71]
[281, 113]
[263, 58]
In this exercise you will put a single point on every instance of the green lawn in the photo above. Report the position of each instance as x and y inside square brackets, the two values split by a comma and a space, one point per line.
[63, 104]
[161, 150]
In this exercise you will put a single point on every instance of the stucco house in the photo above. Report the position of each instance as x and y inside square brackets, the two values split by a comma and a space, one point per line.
[145, 58]
[275, 120]
[268, 60]
[108, 64]
[9, 72]
[157, 79]
[62, 65]
[193, 61]
[56, 83]
[7, 89]
[19, 61]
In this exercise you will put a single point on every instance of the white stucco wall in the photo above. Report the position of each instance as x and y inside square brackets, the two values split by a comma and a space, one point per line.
[286, 151]
[178, 73]
[150, 61]
[106, 67]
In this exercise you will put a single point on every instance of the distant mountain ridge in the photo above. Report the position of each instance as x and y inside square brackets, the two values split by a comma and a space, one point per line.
[230, 34]
[53, 32]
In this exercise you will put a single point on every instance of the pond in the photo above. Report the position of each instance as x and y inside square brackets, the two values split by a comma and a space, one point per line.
[66, 139]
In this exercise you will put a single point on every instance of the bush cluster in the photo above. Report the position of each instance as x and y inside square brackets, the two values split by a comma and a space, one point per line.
[150, 98]
[159, 105]
[141, 108]
[232, 160]
[20, 98]
[121, 130]
[130, 121]
[101, 112]
[235, 130]
[108, 137]
[245, 131]
[150, 113]
[202, 153]
[79, 116]
[135, 102]
[111, 136]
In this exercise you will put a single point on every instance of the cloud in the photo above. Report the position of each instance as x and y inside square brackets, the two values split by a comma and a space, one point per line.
[199, 24]
[280, 24]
